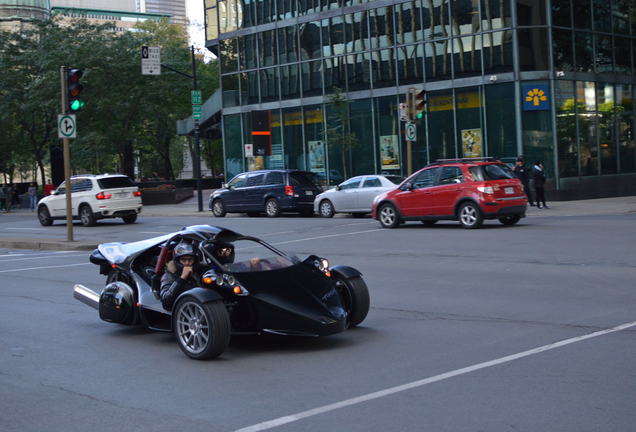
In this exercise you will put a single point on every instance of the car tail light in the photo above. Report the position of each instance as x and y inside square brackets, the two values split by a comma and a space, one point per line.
[103, 196]
[137, 193]
[289, 190]
[486, 189]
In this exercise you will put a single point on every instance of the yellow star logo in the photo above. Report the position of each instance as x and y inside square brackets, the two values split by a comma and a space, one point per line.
[536, 95]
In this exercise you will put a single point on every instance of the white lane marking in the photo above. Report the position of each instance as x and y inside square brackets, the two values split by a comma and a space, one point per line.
[328, 235]
[44, 267]
[268, 234]
[408, 386]
[34, 229]
[44, 257]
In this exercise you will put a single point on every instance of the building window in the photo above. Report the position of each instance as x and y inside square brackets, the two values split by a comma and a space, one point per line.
[582, 12]
[625, 129]
[467, 55]
[438, 60]
[584, 52]
[531, 12]
[381, 23]
[607, 128]
[441, 138]
[229, 55]
[561, 10]
[410, 64]
[383, 68]
[311, 73]
[233, 145]
[567, 146]
[230, 85]
[269, 84]
[498, 52]
[562, 51]
[470, 122]
[603, 59]
[500, 121]
[495, 14]
[310, 40]
[588, 127]
[289, 81]
[358, 71]
[533, 49]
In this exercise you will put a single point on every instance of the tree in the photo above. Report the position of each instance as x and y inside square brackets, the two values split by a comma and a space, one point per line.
[337, 134]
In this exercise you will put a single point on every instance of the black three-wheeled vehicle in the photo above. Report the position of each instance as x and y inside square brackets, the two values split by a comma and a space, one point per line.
[262, 290]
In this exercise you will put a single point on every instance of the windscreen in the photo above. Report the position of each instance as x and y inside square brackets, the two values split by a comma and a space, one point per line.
[395, 179]
[303, 178]
[115, 182]
[491, 172]
[251, 256]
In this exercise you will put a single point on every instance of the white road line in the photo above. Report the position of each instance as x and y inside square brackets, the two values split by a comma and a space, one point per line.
[33, 229]
[45, 267]
[276, 233]
[327, 236]
[43, 257]
[152, 232]
[408, 386]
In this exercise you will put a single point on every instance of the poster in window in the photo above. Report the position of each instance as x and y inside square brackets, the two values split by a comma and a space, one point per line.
[390, 152]
[316, 151]
[471, 143]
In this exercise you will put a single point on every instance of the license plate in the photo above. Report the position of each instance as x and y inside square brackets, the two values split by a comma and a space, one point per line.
[122, 195]
[510, 190]
[309, 193]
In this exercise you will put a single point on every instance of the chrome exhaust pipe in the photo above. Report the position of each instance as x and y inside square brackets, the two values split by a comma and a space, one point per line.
[86, 296]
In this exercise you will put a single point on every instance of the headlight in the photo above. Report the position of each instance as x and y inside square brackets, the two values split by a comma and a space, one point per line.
[322, 264]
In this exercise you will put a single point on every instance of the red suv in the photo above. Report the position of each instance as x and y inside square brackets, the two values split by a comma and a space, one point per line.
[467, 190]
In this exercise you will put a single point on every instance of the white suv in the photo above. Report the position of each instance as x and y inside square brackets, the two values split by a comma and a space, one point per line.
[93, 197]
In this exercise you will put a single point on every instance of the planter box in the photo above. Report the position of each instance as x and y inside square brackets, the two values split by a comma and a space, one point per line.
[173, 196]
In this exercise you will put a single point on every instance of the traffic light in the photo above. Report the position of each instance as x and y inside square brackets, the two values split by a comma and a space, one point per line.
[419, 103]
[74, 89]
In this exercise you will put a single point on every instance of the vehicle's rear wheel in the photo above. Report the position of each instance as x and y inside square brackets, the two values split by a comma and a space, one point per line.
[218, 208]
[44, 216]
[202, 330]
[355, 298]
[86, 216]
[271, 208]
[130, 219]
[429, 222]
[326, 209]
[388, 216]
[469, 216]
[510, 220]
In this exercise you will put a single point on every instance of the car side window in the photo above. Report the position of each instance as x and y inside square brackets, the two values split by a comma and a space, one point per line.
[371, 182]
[76, 185]
[238, 181]
[273, 178]
[61, 188]
[450, 175]
[350, 184]
[425, 179]
[255, 179]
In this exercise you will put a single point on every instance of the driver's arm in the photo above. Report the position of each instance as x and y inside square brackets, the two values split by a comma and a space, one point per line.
[171, 287]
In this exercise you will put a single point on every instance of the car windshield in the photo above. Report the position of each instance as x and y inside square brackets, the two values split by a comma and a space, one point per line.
[303, 178]
[491, 172]
[115, 182]
[252, 256]
[395, 179]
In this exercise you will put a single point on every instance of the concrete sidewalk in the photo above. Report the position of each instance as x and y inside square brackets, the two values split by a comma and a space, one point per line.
[189, 207]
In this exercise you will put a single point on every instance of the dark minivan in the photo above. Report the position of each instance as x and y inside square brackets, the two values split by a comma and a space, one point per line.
[269, 191]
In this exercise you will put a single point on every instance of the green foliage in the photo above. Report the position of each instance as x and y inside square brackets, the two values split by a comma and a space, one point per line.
[127, 115]
[337, 134]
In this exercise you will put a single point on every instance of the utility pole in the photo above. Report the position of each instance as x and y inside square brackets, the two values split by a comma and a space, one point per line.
[197, 148]
[67, 157]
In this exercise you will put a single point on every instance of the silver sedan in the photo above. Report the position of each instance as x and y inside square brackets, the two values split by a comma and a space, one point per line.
[355, 195]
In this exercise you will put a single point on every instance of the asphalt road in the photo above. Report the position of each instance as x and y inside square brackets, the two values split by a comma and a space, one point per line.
[459, 337]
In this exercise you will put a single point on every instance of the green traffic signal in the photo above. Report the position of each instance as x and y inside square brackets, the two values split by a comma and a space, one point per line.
[74, 89]
[76, 104]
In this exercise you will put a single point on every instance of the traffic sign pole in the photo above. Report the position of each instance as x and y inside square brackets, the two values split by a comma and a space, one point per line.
[67, 159]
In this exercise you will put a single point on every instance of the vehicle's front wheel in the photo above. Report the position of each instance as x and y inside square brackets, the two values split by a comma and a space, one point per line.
[86, 216]
[44, 216]
[218, 208]
[469, 216]
[510, 220]
[202, 330]
[271, 208]
[129, 219]
[388, 216]
[326, 209]
[355, 298]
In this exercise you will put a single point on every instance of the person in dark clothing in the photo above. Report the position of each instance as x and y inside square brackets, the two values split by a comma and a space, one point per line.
[539, 183]
[522, 174]
[180, 275]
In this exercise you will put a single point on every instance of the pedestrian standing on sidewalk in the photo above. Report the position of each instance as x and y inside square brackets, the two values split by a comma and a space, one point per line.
[539, 183]
[8, 198]
[33, 195]
[2, 189]
[522, 174]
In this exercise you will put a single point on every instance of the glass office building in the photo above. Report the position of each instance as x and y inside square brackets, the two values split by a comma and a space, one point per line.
[551, 79]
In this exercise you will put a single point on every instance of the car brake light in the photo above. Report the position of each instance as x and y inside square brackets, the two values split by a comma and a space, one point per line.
[137, 193]
[289, 190]
[486, 189]
[102, 196]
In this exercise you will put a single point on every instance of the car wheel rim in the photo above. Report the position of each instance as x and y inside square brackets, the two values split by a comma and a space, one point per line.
[271, 208]
[43, 216]
[345, 296]
[387, 216]
[84, 216]
[192, 328]
[218, 208]
[469, 215]
[325, 209]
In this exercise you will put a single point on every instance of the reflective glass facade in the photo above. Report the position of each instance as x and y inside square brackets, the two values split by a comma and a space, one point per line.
[551, 79]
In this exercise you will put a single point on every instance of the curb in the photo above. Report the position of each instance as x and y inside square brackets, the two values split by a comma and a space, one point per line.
[44, 244]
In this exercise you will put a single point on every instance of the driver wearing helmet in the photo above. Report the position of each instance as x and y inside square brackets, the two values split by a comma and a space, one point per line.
[223, 253]
[180, 274]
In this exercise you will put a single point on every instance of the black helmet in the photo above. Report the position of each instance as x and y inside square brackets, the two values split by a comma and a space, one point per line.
[184, 249]
[223, 252]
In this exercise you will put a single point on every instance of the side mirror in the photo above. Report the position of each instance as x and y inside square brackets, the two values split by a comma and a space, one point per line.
[407, 186]
[224, 186]
[57, 192]
[338, 187]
